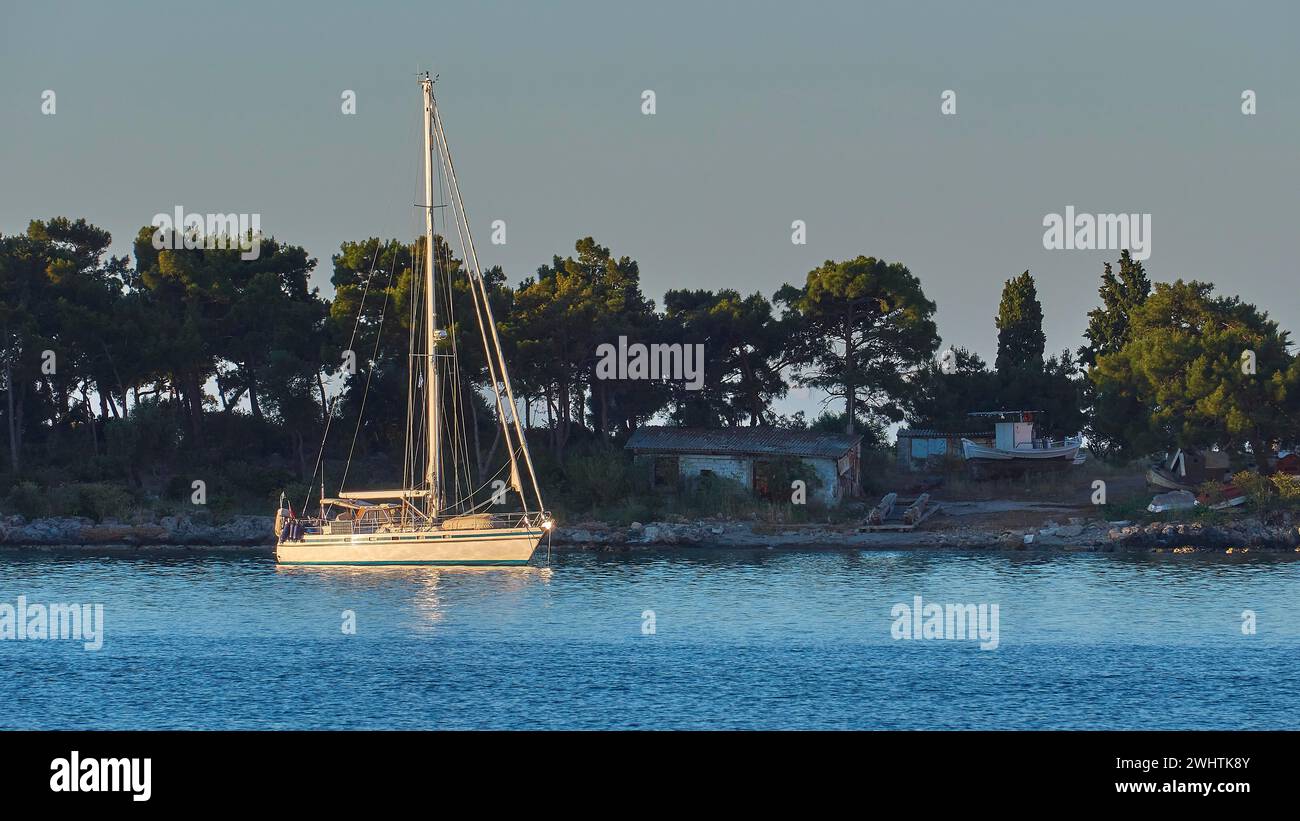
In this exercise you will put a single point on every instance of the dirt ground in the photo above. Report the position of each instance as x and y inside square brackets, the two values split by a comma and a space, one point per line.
[1021, 502]
[1003, 515]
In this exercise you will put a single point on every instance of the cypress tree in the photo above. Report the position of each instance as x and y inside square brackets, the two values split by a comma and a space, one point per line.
[1021, 340]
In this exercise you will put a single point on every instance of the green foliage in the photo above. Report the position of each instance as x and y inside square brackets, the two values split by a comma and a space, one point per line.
[132, 411]
[1108, 332]
[1258, 488]
[601, 475]
[93, 500]
[1287, 487]
[146, 440]
[560, 319]
[1055, 388]
[27, 500]
[1182, 366]
[1121, 295]
[1021, 340]
[710, 495]
[943, 401]
[1280, 491]
[1023, 379]
[859, 330]
[781, 474]
[102, 500]
[745, 350]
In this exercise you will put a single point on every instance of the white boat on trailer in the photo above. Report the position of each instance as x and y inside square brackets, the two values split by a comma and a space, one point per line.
[1014, 440]
[437, 518]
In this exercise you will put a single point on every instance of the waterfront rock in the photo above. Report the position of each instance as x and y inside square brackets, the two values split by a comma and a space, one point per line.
[1011, 540]
[56, 530]
[170, 530]
[110, 533]
[199, 530]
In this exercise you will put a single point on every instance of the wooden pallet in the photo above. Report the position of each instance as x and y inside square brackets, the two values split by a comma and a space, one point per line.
[885, 516]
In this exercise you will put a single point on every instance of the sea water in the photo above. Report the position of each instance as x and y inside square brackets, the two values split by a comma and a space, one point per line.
[692, 638]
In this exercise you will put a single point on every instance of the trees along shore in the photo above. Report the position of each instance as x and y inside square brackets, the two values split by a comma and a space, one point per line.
[126, 380]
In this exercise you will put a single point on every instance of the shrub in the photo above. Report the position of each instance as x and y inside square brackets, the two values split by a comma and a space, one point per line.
[147, 437]
[782, 474]
[597, 477]
[1258, 489]
[256, 481]
[710, 495]
[27, 500]
[178, 487]
[93, 500]
[100, 500]
[1288, 488]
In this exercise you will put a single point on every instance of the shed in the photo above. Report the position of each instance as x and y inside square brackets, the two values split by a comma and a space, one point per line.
[1192, 466]
[922, 448]
[748, 455]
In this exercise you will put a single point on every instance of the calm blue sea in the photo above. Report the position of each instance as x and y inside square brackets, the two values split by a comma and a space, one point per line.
[741, 639]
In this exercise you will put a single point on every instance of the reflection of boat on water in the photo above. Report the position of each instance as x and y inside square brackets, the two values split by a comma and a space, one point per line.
[423, 594]
[437, 517]
[1015, 442]
[424, 575]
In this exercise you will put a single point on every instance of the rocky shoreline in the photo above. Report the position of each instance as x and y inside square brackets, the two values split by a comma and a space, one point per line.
[252, 535]
[1078, 534]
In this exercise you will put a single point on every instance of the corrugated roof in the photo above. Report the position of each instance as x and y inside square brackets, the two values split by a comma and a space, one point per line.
[746, 441]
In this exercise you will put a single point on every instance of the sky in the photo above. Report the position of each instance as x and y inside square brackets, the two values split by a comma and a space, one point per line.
[765, 113]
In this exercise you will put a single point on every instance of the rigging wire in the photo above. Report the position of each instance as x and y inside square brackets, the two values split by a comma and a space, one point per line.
[370, 372]
[477, 278]
[511, 451]
[329, 413]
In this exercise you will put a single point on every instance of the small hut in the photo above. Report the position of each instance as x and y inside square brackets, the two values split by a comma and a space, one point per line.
[747, 455]
[924, 449]
[1192, 466]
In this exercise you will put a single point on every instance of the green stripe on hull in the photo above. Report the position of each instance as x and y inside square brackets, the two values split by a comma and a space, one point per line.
[444, 562]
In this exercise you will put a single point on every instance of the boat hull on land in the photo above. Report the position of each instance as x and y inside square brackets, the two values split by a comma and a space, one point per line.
[1069, 449]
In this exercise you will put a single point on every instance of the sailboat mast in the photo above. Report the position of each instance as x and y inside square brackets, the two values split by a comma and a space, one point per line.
[432, 476]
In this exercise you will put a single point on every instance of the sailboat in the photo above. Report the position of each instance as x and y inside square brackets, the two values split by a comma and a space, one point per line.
[435, 518]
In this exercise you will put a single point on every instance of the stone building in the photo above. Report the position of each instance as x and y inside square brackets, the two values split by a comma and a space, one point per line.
[750, 456]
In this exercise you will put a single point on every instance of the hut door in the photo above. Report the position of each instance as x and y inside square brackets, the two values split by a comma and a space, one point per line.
[763, 473]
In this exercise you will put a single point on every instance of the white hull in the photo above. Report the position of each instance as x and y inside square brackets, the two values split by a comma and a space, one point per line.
[1068, 450]
[441, 547]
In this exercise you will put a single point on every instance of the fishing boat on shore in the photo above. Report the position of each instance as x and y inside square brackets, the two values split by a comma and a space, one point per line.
[1015, 442]
[439, 516]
